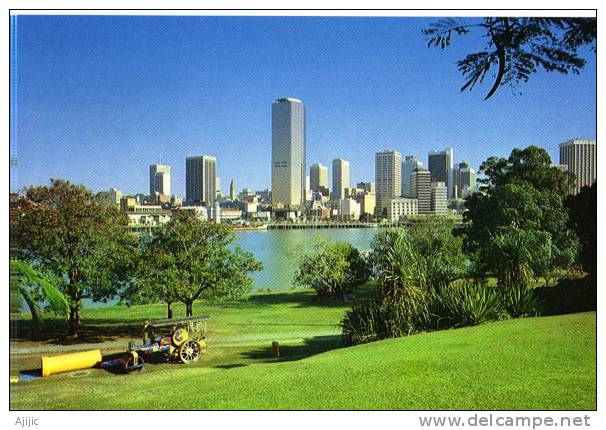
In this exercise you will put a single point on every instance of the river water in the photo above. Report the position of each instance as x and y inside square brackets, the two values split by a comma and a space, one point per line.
[278, 250]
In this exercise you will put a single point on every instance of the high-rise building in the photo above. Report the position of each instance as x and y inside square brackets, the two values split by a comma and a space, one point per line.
[420, 186]
[232, 190]
[388, 177]
[464, 180]
[340, 178]
[580, 157]
[288, 153]
[440, 164]
[201, 180]
[318, 177]
[159, 179]
[439, 198]
[409, 165]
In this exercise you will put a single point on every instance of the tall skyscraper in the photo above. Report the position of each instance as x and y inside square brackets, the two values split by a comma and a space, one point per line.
[580, 157]
[340, 178]
[409, 165]
[388, 177]
[201, 180]
[440, 164]
[318, 177]
[159, 179]
[420, 185]
[464, 179]
[232, 190]
[288, 153]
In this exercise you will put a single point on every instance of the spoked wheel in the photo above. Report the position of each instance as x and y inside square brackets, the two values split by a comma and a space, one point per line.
[190, 351]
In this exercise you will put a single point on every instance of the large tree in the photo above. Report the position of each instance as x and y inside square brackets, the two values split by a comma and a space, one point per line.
[516, 47]
[66, 230]
[524, 192]
[188, 259]
[583, 220]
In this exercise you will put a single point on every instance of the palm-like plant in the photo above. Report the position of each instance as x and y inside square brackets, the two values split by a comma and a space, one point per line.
[34, 287]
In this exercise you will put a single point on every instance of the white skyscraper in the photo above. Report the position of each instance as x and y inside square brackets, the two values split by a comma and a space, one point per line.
[340, 178]
[201, 180]
[409, 165]
[288, 153]
[580, 157]
[388, 177]
[159, 179]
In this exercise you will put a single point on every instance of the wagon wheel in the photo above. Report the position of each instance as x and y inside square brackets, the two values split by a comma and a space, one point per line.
[190, 351]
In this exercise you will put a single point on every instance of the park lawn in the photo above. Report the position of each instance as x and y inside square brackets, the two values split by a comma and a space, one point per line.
[533, 363]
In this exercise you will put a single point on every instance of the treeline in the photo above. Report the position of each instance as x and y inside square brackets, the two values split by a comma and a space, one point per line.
[69, 245]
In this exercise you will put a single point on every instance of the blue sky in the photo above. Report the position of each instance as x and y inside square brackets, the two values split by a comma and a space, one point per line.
[99, 99]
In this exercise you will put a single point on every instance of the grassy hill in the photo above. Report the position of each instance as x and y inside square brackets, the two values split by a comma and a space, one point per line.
[534, 363]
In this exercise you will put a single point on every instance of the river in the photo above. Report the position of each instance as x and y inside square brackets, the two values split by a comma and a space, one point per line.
[278, 249]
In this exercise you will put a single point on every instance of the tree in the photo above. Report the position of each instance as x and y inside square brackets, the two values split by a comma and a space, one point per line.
[515, 256]
[517, 47]
[36, 287]
[188, 259]
[65, 230]
[332, 268]
[522, 192]
[582, 210]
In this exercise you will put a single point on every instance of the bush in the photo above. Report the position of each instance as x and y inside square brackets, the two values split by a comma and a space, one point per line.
[332, 268]
[375, 320]
[519, 302]
[469, 303]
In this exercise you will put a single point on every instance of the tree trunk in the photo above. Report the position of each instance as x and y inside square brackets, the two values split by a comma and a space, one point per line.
[169, 309]
[189, 306]
[74, 318]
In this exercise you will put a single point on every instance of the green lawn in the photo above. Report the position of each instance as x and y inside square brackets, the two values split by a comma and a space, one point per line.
[534, 363]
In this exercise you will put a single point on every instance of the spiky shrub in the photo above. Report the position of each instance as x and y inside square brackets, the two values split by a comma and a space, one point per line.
[377, 319]
[469, 303]
[516, 256]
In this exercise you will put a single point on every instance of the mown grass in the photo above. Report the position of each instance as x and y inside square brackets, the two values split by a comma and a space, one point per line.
[533, 363]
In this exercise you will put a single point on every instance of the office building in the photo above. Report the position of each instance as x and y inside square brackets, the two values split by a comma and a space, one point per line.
[348, 209]
[111, 197]
[368, 187]
[340, 178]
[401, 207]
[439, 198]
[159, 179]
[287, 153]
[318, 174]
[388, 177]
[581, 158]
[440, 164]
[420, 186]
[200, 180]
[232, 190]
[409, 165]
[464, 180]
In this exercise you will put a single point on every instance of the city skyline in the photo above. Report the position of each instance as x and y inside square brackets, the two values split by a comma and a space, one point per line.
[160, 115]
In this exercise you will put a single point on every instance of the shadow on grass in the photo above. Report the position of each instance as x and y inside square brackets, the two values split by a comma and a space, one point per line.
[54, 331]
[568, 296]
[311, 346]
